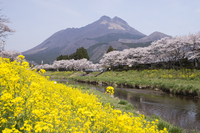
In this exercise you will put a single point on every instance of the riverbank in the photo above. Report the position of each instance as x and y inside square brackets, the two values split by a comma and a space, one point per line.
[185, 82]
[126, 107]
[30, 102]
[123, 105]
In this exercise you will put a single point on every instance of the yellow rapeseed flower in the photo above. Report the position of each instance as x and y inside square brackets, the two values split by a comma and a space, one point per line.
[32, 103]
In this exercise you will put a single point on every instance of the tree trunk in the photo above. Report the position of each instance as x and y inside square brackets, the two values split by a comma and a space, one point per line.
[196, 62]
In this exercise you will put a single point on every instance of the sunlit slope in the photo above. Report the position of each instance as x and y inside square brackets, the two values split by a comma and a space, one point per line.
[30, 102]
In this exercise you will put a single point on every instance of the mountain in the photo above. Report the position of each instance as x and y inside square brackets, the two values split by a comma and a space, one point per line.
[115, 32]
[152, 37]
[96, 51]
[120, 42]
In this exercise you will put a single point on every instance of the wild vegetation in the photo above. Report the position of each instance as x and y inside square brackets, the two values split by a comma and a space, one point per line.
[124, 106]
[79, 54]
[184, 81]
[12, 55]
[30, 102]
[110, 49]
[116, 103]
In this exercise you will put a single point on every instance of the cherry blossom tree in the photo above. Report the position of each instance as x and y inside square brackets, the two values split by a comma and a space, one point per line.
[111, 59]
[132, 56]
[177, 48]
[12, 55]
[139, 55]
[167, 51]
[69, 65]
[193, 43]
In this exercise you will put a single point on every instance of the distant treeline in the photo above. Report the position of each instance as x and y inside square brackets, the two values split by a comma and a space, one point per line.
[186, 64]
[79, 54]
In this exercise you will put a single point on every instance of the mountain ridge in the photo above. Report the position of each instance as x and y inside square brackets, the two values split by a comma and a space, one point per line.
[152, 37]
[68, 40]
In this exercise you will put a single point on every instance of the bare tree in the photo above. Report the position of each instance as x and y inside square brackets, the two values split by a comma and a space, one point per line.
[4, 30]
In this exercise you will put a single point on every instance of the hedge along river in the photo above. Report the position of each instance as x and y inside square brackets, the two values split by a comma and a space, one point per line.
[182, 111]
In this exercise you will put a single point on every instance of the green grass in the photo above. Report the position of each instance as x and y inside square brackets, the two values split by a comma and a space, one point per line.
[173, 82]
[59, 74]
[123, 102]
[124, 106]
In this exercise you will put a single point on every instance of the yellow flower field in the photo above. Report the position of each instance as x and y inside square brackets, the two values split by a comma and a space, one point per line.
[30, 102]
[172, 74]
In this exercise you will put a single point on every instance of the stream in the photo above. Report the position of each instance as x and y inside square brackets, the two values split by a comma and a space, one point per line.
[182, 111]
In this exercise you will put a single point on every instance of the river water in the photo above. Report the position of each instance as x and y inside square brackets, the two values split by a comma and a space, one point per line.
[182, 111]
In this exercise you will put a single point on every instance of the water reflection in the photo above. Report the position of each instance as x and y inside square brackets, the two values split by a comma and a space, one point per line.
[179, 110]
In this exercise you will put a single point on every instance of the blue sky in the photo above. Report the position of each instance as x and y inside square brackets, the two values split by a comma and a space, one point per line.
[36, 20]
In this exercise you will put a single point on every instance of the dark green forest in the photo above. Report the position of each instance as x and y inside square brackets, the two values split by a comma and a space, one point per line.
[79, 54]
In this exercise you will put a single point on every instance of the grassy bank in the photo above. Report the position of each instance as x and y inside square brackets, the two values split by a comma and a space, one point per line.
[30, 102]
[59, 75]
[183, 82]
[126, 107]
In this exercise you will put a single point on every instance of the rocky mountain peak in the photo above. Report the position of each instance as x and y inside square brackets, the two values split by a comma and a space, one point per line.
[117, 19]
[115, 24]
[105, 18]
